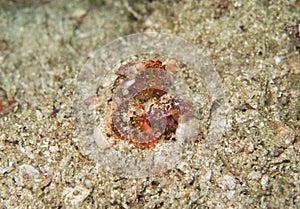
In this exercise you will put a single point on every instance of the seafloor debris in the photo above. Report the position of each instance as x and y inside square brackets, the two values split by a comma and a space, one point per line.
[31, 177]
[294, 33]
[227, 182]
[6, 106]
[75, 196]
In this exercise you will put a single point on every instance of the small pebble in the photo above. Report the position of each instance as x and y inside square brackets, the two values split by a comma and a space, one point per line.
[78, 14]
[227, 182]
[264, 181]
[75, 196]
[254, 175]
[207, 176]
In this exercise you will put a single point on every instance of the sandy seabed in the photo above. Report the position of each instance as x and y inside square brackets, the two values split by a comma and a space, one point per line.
[43, 46]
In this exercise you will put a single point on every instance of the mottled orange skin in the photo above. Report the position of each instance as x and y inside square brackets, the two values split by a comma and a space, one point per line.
[134, 143]
[145, 145]
[154, 65]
